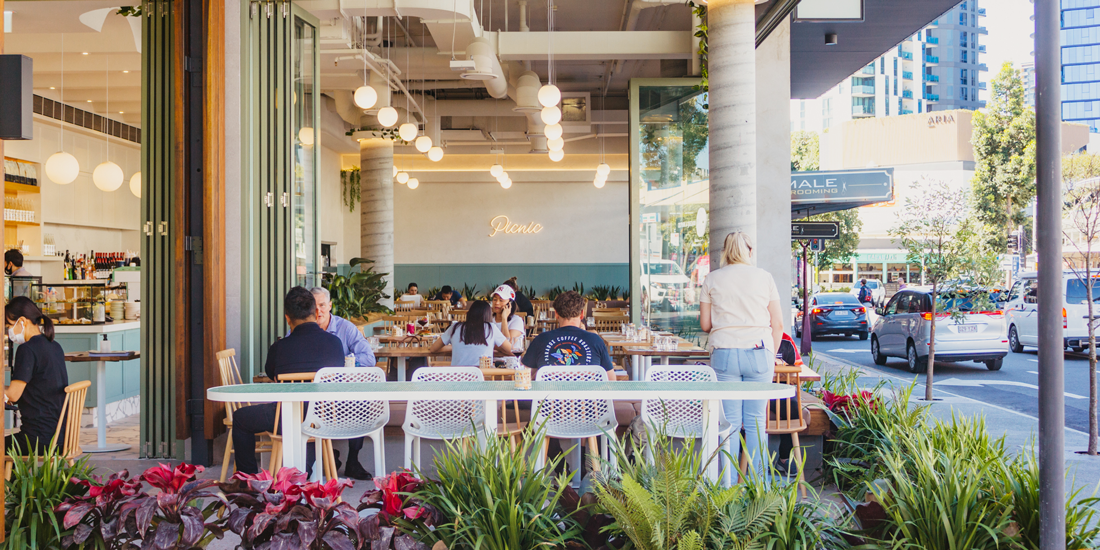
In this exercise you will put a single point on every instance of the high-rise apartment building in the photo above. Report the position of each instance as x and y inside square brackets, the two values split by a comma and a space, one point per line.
[1027, 74]
[1081, 62]
[936, 69]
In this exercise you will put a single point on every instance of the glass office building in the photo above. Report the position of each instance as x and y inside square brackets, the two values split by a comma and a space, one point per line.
[1081, 62]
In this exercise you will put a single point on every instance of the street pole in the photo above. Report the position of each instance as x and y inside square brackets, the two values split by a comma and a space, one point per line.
[805, 347]
[1048, 213]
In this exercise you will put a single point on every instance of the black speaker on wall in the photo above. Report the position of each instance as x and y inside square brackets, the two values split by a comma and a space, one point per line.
[16, 97]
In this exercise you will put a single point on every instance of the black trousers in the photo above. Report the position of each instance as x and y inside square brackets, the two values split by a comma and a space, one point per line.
[252, 420]
[28, 444]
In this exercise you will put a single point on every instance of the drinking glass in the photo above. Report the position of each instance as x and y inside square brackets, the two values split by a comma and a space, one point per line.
[591, 323]
[518, 343]
[375, 343]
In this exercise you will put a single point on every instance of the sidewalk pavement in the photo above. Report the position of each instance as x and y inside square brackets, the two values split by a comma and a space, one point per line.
[1021, 431]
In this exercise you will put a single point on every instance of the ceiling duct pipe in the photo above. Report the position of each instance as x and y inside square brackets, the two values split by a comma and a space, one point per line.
[527, 93]
[344, 106]
[486, 68]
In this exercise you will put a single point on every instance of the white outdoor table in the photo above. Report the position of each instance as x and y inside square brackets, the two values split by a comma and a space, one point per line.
[293, 395]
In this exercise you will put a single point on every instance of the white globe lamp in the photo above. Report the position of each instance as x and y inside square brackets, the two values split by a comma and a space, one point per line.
[305, 136]
[599, 183]
[365, 97]
[435, 154]
[503, 176]
[407, 131]
[62, 168]
[107, 176]
[603, 169]
[402, 177]
[506, 183]
[395, 171]
[551, 114]
[556, 144]
[387, 116]
[556, 156]
[414, 183]
[496, 170]
[549, 95]
[553, 131]
[135, 184]
[423, 143]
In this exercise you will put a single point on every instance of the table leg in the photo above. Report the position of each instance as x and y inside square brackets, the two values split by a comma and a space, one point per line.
[664, 360]
[294, 444]
[400, 369]
[635, 367]
[710, 437]
[101, 413]
[490, 422]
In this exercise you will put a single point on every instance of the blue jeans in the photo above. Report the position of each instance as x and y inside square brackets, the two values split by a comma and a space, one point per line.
[745, 365]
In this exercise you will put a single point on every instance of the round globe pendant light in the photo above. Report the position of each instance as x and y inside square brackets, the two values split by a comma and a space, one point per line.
[387, 116]
[549, 95]
[305, 135]
[402, 177]
[599, 183]
[62, 168]
[423, 144]
[556, 156]
[435, 154]
[503, 176]
[135, 184]
[495, 170]
[414, 183]
[553, 131]
[506, 183]
[556, 144]
[551, 114]
[365, 97]
[407, 131]
[603, 169]
[107, 176]
[395, 171]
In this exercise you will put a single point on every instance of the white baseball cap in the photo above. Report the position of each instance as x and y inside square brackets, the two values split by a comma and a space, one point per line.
[505, 291]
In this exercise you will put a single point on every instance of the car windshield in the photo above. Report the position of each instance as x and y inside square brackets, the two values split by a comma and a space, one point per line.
[872, 284]
[973, 300]
[1076, 291]
[830, 299]
[663, 269]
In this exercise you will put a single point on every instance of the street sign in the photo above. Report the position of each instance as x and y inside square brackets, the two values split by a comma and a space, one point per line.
[815, 230]
[861, 187]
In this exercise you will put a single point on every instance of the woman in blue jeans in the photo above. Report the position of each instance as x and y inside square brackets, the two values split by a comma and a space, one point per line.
[739, 307]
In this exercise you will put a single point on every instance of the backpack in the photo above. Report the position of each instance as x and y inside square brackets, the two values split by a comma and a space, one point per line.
[864, 294]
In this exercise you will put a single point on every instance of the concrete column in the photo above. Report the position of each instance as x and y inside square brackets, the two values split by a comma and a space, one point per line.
[773, 163]
[376, 212]
[732, 71]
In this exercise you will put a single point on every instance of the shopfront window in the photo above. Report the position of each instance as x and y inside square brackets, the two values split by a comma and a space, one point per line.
[671, 175]
[303, 107]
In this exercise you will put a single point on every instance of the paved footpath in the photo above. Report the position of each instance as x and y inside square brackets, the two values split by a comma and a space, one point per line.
[1020, 429]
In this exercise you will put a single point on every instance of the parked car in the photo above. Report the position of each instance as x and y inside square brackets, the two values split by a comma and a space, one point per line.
[878, 291]
[904, 326]
[664, 282]
[835, 313]
[1023, 316]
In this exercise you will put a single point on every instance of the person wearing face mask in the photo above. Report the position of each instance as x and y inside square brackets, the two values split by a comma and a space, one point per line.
[13, 264]
[39, 377]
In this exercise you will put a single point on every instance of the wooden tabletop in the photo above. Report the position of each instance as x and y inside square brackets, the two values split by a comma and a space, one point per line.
[83, 357]
[410, 351]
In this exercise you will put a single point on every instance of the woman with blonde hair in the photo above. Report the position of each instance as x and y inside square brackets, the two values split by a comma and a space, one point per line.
[739, 307]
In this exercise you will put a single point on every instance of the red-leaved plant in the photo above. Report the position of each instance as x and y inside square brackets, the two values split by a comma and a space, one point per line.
[121, 514]
[286, 511]
[844, 404]
[396, 505]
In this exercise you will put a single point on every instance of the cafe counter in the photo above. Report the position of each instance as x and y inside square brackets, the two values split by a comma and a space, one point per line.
[123, 378]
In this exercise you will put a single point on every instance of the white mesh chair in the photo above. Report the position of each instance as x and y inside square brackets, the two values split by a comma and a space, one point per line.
[683, 418]
[442, 419]
[581, 419]
[329, 420]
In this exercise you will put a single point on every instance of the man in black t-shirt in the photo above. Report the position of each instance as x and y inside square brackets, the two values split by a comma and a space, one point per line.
[308, 348]
[570, 343]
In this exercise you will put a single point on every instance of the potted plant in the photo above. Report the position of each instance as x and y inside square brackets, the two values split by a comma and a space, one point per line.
[357, 296]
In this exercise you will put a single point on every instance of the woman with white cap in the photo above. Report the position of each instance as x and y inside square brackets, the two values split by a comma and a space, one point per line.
[504, 312]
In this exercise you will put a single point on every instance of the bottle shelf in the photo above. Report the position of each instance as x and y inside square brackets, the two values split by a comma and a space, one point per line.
[12, 187]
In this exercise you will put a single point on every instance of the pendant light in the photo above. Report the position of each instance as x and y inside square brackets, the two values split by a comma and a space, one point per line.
[503, 176]
[556, 144]
[407, 131]
[549, 95]
[402, 177]
[435, 154]
[108, 176]
[603, 169]
[506, 183]
[387, 116]
[423, 144]
[62, 168]
[553, 131]
[556, 156]
[496, 170]
[135, 184]
[551, 114]
[599, 182]
[395, 171]
[365, 96]
[305, 136]
[414, 183]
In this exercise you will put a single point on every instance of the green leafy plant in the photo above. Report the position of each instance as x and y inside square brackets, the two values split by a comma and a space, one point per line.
[34, 492]
[383, 133]
[528, 291]
[578, 288]
[700, 10]
[432, 292]
[614, 293]
[1021, 479]
[600, 293]
[554, 292]
[359, 293]
[492, 497]
[469, 292]
[130, 11]
[351, 191]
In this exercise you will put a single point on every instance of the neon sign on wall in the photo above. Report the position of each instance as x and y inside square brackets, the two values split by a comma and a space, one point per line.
[501, 224]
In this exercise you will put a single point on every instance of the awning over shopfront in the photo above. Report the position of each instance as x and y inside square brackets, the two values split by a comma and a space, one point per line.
[821, 192]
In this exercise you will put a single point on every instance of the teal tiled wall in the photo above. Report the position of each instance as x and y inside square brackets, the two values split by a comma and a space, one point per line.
[539, 276]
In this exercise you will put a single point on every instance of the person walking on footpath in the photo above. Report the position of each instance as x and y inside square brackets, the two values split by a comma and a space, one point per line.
[739, 308]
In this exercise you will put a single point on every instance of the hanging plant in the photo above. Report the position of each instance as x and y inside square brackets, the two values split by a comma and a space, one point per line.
[352, 192]
[384, 133]
[130, 11]
[700, 11]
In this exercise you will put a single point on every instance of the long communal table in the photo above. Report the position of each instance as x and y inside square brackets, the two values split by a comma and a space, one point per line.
[292, 396]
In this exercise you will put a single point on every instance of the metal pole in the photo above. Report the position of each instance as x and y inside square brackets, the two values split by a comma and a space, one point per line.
[807, 337]
[1048, 211]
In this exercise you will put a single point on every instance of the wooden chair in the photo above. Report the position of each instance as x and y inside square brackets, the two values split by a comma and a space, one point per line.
[503, 428]
[404, 305]
[611, 312]
[609, 323]
[276, 462]
[68, 442]
[458, 315]
[785, 416]
[231, 375]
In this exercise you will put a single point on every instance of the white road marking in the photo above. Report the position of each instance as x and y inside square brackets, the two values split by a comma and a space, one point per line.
[1033, 360]
[980, 383]
[849, 351]
[1033, 372]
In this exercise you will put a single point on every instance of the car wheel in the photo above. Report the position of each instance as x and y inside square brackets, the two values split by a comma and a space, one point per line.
[994, 364]
[876, 354]
[1078, 349]
[863, 335]
[1014, 340]
[916, 364]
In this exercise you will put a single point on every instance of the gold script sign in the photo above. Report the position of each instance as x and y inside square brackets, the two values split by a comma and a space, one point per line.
[501, 224]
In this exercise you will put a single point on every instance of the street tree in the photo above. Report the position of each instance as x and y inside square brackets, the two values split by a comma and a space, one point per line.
[1081, 229]
[1004, 148]
[935, 231]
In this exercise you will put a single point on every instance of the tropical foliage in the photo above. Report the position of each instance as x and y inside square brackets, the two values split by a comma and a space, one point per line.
[39, 485]
[350, 190]
[358, 294]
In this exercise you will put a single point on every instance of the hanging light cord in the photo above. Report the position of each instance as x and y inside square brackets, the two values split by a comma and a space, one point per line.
[550, 41]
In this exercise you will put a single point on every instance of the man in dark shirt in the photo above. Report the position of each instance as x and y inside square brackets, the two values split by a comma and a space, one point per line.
[448, 293]
[570, 343]
[308, 348]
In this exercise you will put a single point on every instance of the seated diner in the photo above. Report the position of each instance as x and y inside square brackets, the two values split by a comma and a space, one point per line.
[38, 379]
[474, 338]
[570, 343]
[412, 294]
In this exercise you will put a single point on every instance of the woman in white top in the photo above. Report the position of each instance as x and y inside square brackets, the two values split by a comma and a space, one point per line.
[504, 312]
[473, 338]
[739, 307]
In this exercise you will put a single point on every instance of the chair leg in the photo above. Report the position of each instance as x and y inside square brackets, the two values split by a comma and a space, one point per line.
[377, 439]
[743, 463]
[274, 464]
[408, 451]
[575, 457]
[540, 461]
[798, 460]
[594, 449]
[417, 449]
[228, 453]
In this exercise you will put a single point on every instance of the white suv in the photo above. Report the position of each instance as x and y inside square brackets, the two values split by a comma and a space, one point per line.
[665, 282]
[1023, 316]
[903, 326]
[878, 291]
